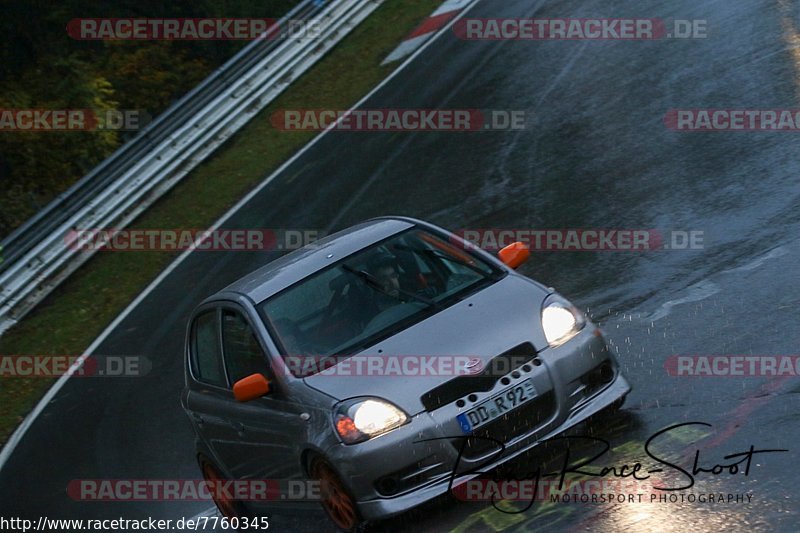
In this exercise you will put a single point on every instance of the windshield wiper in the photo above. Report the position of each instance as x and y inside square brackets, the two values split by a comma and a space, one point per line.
[372, 282]
[446, 257]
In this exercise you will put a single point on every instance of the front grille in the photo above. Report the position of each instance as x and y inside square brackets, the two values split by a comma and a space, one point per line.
[463, 385]
[517, 422]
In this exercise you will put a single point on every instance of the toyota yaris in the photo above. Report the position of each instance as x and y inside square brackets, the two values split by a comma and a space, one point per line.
[386, 361]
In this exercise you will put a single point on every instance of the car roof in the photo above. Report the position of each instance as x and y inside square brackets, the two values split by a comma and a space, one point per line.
[299, 264]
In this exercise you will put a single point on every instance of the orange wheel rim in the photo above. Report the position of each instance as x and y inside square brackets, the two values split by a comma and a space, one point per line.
[225, 505]
[335, 500]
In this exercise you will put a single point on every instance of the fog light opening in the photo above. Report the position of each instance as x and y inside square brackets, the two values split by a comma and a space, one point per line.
[387, 485]
[606, 373]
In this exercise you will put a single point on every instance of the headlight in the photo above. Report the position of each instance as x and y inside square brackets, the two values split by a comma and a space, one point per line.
[362, 419]
[560, 320]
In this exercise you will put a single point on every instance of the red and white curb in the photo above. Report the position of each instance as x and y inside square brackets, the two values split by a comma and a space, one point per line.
[438, 20]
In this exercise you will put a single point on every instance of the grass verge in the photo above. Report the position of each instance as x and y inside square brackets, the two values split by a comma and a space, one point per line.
[71, 317]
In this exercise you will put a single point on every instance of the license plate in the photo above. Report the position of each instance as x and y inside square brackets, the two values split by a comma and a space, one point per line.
[496, 406]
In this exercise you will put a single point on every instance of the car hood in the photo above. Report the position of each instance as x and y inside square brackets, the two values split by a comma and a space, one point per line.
[483, 325]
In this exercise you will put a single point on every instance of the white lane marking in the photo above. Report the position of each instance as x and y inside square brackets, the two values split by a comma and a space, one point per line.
[448, 6]
[704, 289]
[780, 251]
[28, 421]
[695, 293]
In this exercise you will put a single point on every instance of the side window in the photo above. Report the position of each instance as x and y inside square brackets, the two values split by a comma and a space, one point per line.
[243, 354]
[206, 357]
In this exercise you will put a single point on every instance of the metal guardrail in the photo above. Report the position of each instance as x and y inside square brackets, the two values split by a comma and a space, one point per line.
[36, 255]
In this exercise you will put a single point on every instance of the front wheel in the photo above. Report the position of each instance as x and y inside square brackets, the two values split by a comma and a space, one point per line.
[335, 497]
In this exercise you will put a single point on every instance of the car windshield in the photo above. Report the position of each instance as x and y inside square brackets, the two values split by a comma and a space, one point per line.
[373, 294]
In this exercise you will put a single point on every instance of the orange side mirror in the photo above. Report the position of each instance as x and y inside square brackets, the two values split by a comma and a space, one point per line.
[514, 254]
[250, 388]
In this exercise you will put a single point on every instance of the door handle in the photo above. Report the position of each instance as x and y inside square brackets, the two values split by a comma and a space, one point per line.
[198, 419]
[238, 427]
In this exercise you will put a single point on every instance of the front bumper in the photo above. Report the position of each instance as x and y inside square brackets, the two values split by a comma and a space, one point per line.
[413, 464]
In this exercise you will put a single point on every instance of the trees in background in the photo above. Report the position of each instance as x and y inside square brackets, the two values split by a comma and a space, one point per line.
[41, 67]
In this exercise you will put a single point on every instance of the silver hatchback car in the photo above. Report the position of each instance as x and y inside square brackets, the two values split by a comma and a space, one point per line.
[385, 362]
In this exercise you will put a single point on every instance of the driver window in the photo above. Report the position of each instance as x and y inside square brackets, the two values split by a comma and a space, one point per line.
[206, 358]
[243, 353]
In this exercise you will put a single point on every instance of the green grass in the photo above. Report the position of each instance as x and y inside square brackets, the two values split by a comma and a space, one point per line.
[77, 312]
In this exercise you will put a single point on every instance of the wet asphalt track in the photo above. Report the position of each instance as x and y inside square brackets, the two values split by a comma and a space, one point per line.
[595, 154]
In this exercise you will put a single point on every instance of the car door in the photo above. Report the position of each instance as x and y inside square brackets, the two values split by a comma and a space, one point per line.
[207, 381]
[259, 439]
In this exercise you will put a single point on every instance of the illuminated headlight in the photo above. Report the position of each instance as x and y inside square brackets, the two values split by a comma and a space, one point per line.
[362, 419]
[560, 320]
